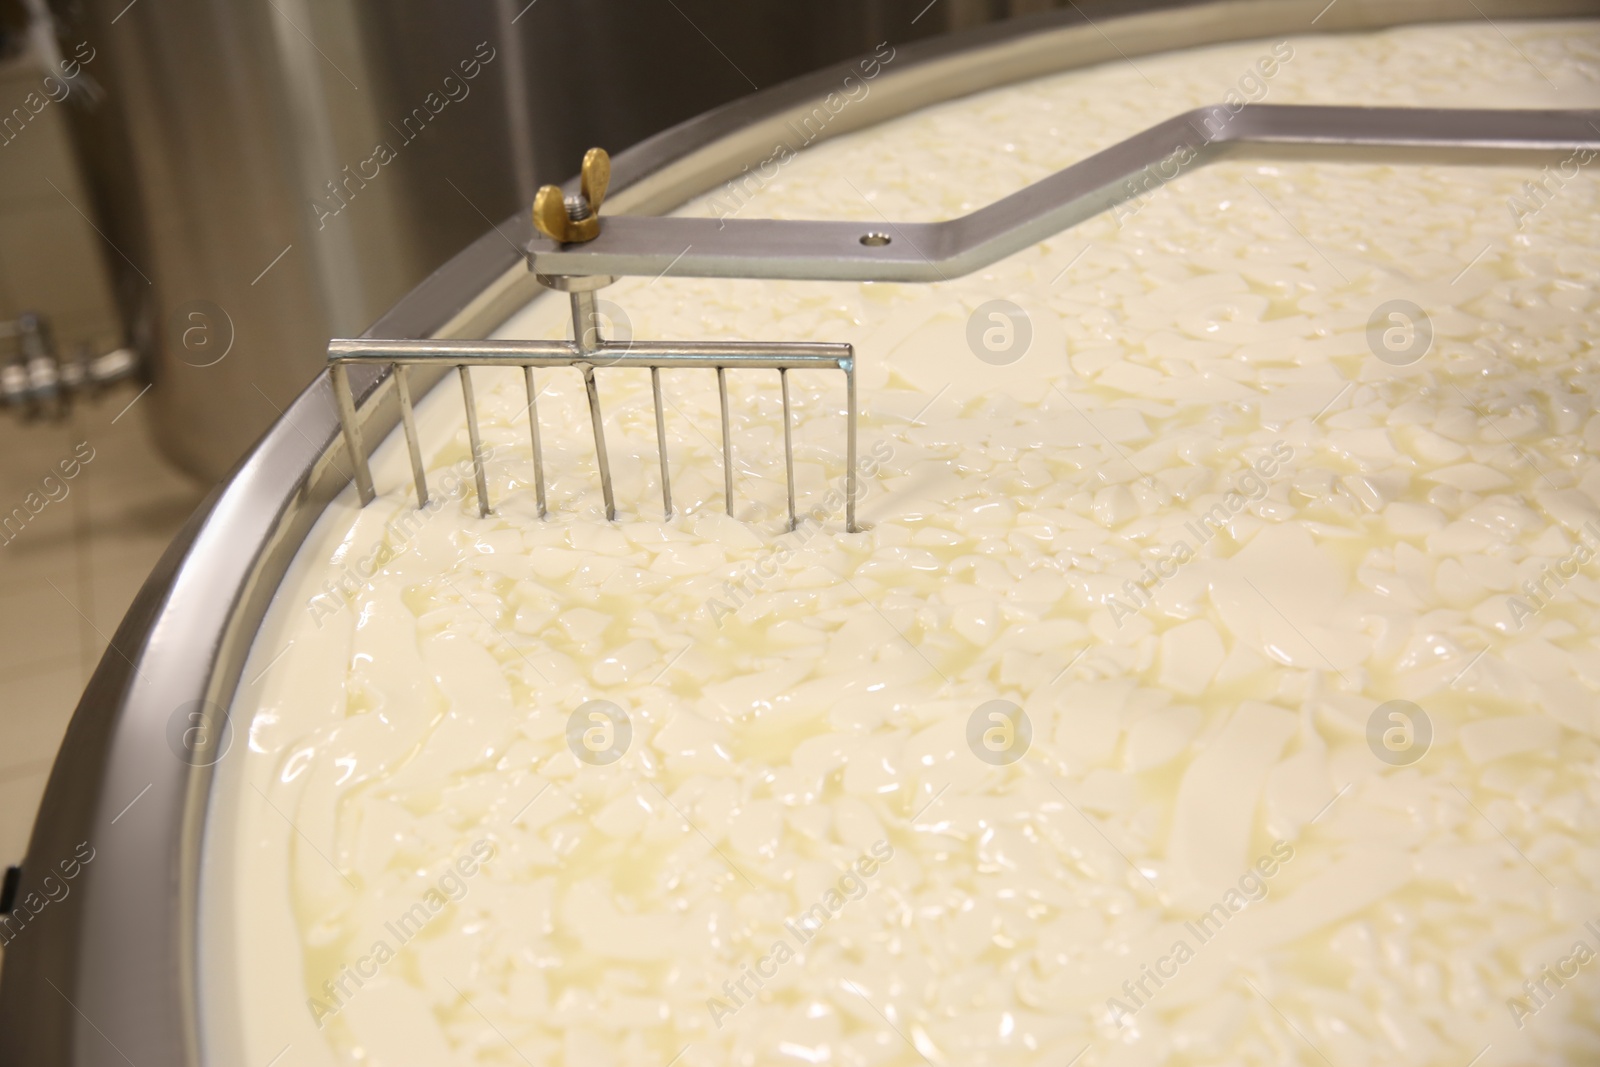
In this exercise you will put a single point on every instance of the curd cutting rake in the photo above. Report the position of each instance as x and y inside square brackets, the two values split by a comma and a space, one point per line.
[575, 255]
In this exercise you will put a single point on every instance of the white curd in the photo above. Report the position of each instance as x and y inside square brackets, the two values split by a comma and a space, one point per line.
[1199, 533]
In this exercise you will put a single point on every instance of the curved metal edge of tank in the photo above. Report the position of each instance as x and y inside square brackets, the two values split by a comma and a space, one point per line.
[109, 971]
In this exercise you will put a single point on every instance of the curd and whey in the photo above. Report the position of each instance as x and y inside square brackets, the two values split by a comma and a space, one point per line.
[1215, 681]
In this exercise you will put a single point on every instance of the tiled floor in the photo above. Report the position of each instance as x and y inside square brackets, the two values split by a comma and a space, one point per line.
[69, 574]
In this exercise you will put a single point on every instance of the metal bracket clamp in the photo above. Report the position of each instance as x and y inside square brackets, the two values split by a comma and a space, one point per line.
[938, 251]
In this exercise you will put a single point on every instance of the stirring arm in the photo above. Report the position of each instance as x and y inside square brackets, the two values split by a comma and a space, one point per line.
[937, 251]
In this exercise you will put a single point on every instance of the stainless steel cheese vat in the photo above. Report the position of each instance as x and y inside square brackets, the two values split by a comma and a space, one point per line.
[109, 974]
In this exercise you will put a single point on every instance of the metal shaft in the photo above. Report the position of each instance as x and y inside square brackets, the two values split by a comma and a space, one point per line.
[727, 441]
[413, 441]
[788, 447]
[352, 432]
[850, 447]
[586, 321]
[586, 336]
[675, 355]
[474, 440]
[599, 440]
[538, 449]
[661, 442]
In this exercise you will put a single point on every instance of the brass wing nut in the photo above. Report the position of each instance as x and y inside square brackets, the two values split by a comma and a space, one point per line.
[575, 220]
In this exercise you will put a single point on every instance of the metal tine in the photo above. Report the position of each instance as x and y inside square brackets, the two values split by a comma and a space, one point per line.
[587, 339]
[788, 446]
[727, 441]
[599, 440]
[582, 355]
[661, 442]
[473, 439]
[352, 432]
[408, 416]
[538, 450]
[849, 367]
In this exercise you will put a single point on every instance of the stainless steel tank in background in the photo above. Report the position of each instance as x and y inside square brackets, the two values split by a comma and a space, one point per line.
[271, 173]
